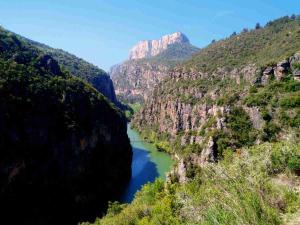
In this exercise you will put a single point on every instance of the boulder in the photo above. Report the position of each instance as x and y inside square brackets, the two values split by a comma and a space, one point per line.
[296, 74]
[267, 74]
[281, 69]
[208, 154]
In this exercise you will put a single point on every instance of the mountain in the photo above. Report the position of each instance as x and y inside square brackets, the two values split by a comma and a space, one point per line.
[64, 149]
[148, 63]
[97, 77]
[230, 116]
[147, 49]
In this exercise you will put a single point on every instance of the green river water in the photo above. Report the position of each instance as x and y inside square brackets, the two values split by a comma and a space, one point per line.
[147, 164]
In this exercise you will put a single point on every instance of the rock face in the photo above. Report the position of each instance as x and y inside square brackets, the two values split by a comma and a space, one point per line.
[281, 70]
[104, 85]
[134, 81]
[148, 64]
[146, 49]
[172, 115]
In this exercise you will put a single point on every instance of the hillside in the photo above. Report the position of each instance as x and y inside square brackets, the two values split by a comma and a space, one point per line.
[135, 78]
[64, 150]
[277, 40]
[79, 68]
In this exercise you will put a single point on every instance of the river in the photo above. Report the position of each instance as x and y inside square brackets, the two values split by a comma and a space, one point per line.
[147, 164]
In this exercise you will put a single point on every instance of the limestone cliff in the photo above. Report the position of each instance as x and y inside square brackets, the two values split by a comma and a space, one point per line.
[148, 64]
[146, 49]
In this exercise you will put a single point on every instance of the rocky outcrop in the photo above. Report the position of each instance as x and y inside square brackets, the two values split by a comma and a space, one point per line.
[282, 69]
[104, 85]
[180, 172]
[134, 80]
[146, 49]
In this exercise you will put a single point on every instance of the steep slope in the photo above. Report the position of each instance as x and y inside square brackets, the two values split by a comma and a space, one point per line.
[98, 78]
[148, 64]
[64, 150]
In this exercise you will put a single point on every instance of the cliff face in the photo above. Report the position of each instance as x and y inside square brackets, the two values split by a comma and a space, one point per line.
[179, 108]
[148, 64]
[146, 49]
[134, 80]
[64, 149]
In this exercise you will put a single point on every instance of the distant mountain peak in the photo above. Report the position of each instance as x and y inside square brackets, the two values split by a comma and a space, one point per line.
[150, 48]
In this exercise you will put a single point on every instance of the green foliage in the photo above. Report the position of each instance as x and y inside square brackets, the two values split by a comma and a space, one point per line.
[238, 190]
[241, 128]
[279, 39]
[284, 157]
[291, 101]
[296, 66]
[78, 67]
[270, 130]
[176, 52]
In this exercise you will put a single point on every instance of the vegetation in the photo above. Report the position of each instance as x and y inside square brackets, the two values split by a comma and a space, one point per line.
[241, 189]
[54, 154]
[132, 109]
[176, 52]
[77, 67]
[277, 40]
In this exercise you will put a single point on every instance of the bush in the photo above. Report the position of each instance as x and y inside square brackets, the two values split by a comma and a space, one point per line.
[291, 101]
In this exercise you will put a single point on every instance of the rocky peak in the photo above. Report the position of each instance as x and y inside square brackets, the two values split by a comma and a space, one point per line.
[149, 48]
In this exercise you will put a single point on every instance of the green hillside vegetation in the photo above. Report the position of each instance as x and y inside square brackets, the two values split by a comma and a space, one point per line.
[277, 40]
[78, 67]
[177, 52]
[244, 188]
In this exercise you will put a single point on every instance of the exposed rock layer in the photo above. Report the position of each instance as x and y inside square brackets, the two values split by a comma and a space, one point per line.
[146, 49]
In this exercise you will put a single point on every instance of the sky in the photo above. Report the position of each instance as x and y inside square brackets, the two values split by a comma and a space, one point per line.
[103, 31]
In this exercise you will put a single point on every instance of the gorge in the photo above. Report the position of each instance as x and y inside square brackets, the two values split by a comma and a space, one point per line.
[173, 135]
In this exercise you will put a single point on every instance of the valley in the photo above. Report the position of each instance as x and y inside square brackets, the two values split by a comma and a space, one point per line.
[172, 135]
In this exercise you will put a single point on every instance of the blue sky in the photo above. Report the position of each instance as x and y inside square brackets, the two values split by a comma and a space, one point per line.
[102, 32]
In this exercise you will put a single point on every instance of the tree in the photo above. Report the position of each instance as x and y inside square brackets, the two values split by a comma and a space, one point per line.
[213, 41]
[233, 34]
[245, 30]
[257, 26]
[293, 17]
